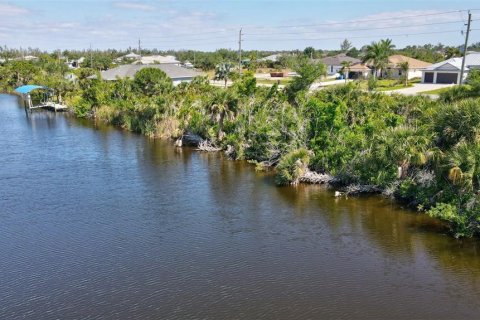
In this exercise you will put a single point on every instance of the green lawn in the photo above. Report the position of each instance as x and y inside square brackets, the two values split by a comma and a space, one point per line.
[396, 87]
[388, 84]
[436, 91]
[271, 81]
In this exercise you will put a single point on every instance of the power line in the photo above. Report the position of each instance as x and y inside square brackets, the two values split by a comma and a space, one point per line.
[175, 37]
[361, 29]
[359, 37]
[365, 20]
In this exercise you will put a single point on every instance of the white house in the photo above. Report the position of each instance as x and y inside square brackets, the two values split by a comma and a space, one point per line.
[449, 71]
[75, 63]
[131, 55]
[158, 59]
[174, 72]
[271, 58]
[334, 63]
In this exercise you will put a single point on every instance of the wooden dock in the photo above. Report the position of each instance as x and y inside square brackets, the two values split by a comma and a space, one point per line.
[50, 106]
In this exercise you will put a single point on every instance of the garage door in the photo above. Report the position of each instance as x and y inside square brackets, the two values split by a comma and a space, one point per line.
[428, 77]
[447, 77]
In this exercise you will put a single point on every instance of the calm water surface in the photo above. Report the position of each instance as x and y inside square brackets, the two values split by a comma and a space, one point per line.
[96, 223]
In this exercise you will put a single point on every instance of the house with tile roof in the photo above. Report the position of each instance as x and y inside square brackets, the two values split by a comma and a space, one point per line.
[415, 66]
[359, 71]
[334, 63]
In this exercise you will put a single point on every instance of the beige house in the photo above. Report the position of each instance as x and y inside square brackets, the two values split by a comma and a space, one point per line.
[415, 66]
[359, 71]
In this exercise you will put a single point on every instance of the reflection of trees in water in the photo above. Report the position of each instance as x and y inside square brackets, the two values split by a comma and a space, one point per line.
[389, 227]
[457, 258]
[399, 233]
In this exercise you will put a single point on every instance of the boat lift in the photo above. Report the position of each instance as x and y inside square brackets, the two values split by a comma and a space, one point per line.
[46, 101]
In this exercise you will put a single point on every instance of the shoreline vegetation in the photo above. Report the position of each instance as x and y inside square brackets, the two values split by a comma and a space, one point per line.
[421, 152]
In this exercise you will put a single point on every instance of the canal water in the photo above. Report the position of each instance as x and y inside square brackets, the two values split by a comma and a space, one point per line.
[96, 223]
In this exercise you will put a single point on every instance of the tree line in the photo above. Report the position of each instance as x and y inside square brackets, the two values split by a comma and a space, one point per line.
[422, 152]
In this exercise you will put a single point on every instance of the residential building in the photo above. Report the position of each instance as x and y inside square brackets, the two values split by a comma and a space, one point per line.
[176, 73]
[334, 63]
[449, 71]
[359, 71]
[271, 58]
[158, 59]
[415, 67]
[75, 63]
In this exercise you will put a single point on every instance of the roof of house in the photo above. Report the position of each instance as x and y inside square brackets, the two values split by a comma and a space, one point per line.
[129, 71]
[455, 64]
[272, 57]
[396, 59]
[359, 67]
[338, 59]
[158, 59]
[131, 55]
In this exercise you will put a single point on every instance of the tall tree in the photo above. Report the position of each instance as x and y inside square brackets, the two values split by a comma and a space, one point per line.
[223, 72]
[309, 52]
[345, 45]
[346, 69]
[451, 52]
[377, 54]
[307, 74]
[152, 81]
[405, 66]
[223, 103]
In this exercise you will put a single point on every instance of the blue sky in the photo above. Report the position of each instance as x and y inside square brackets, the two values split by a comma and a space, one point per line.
[211, 24]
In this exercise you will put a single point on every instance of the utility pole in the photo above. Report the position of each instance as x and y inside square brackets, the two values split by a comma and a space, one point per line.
[465, 47]
[240, 51]
[91, 57]
[139, 48]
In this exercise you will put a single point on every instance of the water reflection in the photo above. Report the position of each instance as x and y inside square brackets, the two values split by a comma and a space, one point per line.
[100, 223]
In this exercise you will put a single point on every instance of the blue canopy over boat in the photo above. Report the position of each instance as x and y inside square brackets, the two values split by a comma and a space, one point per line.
[28, 88]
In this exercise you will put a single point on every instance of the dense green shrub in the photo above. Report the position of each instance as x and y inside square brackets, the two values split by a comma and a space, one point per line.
[292, 166]
[424, 152]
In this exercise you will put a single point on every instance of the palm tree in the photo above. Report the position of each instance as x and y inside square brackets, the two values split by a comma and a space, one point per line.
[346, 69]
[377, 54]
[451, 52]
[223, 71]
[223, 103]
[405, 145]
[405, 66]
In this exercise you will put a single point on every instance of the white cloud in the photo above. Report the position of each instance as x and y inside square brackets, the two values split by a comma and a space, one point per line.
[134, 6]
[365, 29]
[11, 10]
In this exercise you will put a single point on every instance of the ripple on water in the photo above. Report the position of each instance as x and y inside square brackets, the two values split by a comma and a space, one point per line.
[104, 224]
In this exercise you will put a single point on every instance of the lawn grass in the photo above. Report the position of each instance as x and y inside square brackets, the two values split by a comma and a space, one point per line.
[396, 87]
[388, 84]
[436, 91]
[273, 81]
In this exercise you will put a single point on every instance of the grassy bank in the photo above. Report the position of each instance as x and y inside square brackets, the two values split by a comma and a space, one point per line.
[422, 152]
